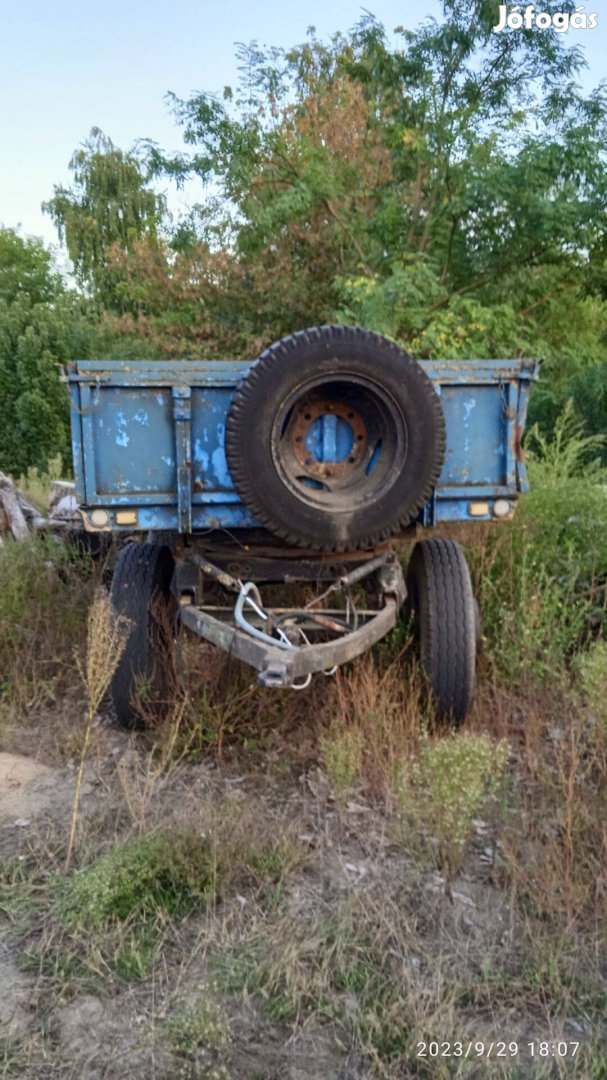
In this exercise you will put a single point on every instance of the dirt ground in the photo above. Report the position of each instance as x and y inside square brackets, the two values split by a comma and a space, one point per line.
[352, 911]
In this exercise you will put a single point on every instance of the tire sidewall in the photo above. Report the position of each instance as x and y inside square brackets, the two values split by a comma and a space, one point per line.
[445, 624]
[142, 577]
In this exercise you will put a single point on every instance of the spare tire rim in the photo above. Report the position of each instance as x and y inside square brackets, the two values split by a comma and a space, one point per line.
[339, 442]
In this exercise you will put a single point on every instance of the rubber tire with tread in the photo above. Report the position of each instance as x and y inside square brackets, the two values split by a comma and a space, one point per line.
[142, 573]
[337, 352]
[442, 604]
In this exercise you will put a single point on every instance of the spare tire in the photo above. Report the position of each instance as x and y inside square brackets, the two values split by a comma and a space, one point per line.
[335, 438]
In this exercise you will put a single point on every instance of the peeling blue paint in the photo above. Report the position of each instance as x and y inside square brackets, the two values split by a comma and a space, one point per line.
[200, 456]
[220, 467]
[142, 405]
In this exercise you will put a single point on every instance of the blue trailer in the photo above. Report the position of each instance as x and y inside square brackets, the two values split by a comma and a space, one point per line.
[298, 467]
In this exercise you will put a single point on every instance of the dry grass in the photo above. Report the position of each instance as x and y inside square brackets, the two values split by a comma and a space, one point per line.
[325, 923]
[341, 752]
[107, 634]
[379, 961]
[557, 845]
[383, 704]
[45, 593]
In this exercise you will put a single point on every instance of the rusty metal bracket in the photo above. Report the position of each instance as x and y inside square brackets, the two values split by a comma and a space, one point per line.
[280, 667]
[265, 639]
[182, 414]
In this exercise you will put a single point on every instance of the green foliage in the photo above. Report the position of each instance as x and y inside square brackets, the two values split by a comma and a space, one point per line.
[443, 791]
[566, 509]
[592, 667]
[34, 339]
[170, 872]
[108, 205]
[568, 454]
[531, 619]
[42, 324]
[541, 577]
[589, 393]
[450, 192]
[26, 269]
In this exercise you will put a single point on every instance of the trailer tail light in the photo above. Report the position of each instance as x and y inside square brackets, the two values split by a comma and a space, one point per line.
[99, 518]
[126, 517]
[502, 508]
[478, 509]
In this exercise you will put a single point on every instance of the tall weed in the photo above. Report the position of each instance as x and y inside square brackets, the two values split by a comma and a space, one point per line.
[341, 750]
[36, 483]
[542, 577]
[593, 674]
[45, 592]
[107, 634]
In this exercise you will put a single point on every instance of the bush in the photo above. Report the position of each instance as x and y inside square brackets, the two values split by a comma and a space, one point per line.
[42, 324]
[173, 872]
[541, 578]
[442, 792]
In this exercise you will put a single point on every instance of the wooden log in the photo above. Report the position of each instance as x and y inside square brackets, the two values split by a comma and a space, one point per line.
[9, 500]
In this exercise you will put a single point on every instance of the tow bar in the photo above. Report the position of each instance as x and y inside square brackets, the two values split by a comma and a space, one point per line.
[277, 642]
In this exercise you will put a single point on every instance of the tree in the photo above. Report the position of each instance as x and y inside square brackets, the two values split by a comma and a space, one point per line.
[109, 206]
[42, 324]
[296, 180]
[193, 302]
[451, 191]
[25, 268]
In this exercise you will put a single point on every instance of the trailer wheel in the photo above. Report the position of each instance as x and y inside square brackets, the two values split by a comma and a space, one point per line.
[335, 438]
[444, 612]
[478, 627]
[141, 591]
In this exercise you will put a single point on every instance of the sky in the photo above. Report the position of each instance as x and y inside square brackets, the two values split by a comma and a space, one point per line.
[69, 65]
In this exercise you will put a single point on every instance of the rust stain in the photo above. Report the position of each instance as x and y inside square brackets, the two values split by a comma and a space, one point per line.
[517, 436]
